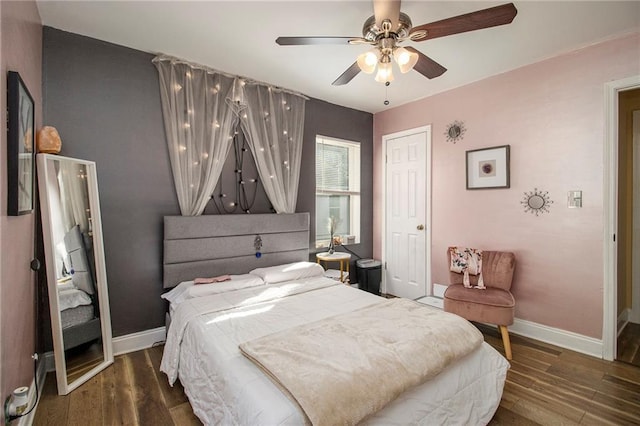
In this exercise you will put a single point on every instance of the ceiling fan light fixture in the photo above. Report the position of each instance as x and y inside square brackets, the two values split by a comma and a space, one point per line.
[385, 72]
[405, 59]
[367, 61]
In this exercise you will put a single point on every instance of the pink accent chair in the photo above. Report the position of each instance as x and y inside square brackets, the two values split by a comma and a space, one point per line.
[493, 305]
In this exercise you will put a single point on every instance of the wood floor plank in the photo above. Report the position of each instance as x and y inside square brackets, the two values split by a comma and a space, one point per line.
[576, 373]
[508, 400]
[620, 388]
[626, 409]
[183, 415]
[629, 344]
[516, 376]
[540, 414]
[52, 409]
[591, 420]
[623, 370]
[507, 417]
[85, 402]
[546, 385]
[150, 404]
[118, 407]
[562, 408]
[543, 380]
[173, 395]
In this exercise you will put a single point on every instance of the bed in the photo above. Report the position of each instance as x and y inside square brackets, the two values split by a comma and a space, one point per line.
[222, 337]
[77, 298]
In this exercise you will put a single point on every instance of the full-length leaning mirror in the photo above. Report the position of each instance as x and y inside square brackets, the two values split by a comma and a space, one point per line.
[76, 272]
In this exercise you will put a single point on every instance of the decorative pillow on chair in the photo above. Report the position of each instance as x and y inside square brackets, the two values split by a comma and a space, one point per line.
[467, 261]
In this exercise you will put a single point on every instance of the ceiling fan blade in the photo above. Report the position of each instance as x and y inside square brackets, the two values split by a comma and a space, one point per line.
[486, 18]
[348, 75]
[387, 9]
[299, 41]
[427, 66]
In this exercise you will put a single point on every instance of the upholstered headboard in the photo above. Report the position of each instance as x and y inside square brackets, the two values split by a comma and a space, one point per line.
[212, 245]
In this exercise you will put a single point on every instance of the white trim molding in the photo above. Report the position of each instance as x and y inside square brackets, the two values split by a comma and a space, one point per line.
[427, 131]
[610, 210]
[138, 341]
[555, 336]
[41, 375]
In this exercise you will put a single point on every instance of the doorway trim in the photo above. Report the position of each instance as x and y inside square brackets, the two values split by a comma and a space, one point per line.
[610, 197]
[427, 173]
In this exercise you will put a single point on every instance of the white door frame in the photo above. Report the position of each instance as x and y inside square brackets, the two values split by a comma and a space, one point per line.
[610, 197]
[427, 174]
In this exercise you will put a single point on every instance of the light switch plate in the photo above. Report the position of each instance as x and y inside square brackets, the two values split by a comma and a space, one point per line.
[574, 199]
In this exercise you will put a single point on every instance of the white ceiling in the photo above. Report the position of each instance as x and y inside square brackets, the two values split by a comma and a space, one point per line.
[238, 37]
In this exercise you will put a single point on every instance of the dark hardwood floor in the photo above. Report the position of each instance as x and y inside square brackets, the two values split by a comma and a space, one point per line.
[546, 385]
[629, 344]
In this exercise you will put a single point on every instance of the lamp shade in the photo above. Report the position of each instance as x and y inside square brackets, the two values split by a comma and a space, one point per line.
[367, 61]
[405, 59]
[385, 73]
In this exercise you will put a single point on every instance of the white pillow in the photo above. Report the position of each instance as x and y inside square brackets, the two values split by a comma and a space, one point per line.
[288, 272]
[188, 290]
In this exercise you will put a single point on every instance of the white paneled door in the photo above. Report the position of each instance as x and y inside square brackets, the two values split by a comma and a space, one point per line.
[406, 213]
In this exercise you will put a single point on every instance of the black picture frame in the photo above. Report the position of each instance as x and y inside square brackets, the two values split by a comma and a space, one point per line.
[21, 149]
[488, 168]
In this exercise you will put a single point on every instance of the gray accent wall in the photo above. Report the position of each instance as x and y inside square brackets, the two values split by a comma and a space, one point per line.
[104, 100]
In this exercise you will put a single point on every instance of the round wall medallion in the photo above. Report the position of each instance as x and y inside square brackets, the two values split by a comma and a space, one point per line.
[536, 202]
[455, 131]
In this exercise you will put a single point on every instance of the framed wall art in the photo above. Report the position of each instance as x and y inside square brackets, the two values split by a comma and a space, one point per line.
[20, 146]
[488, 168]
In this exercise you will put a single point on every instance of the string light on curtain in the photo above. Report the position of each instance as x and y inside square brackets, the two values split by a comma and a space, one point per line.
[201, 108]
[244, 199]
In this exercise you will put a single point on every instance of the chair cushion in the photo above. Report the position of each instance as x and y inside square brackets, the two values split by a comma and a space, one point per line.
[492, 305]
[489, 296]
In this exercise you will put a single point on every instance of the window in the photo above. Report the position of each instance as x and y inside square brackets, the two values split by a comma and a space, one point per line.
[337, 190]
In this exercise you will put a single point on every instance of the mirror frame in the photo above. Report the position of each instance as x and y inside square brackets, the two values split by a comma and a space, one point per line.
[44, 170]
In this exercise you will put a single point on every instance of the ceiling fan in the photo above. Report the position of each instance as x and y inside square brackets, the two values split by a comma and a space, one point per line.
[388, 28]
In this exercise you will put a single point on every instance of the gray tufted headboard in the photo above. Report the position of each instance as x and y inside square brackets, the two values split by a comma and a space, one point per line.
[212, 245]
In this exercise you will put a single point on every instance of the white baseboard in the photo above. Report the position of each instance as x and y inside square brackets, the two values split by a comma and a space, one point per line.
[634, 316]
[138, 341]
[436, 302]
[41, 375]
[623, 320]
[49, 361]
[438, 290]
[555, 336]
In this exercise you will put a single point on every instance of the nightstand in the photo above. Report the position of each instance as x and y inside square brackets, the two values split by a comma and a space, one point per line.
[342, 258]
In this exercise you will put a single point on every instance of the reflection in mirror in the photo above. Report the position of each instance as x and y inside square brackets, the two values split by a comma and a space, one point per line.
[76, 274]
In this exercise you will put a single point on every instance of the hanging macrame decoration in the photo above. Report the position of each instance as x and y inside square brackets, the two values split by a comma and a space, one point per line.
[257, 244]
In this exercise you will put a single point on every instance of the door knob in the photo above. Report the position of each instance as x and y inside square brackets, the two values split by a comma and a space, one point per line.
[420, 227]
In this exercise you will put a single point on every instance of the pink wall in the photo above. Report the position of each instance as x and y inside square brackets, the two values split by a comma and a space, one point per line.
[21, 41]
[552, 115]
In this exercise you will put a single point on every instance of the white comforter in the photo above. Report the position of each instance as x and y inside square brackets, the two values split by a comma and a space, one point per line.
[226, 388]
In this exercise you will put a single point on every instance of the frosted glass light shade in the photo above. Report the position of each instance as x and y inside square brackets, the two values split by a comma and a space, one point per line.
[405, 59]
[385, 72]
[367, 61]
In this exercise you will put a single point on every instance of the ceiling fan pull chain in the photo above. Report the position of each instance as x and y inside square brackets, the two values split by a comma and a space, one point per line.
[386, 93]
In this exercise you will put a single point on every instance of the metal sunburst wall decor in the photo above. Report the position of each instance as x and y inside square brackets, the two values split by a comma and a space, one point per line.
[536, 202]
[455, 131]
